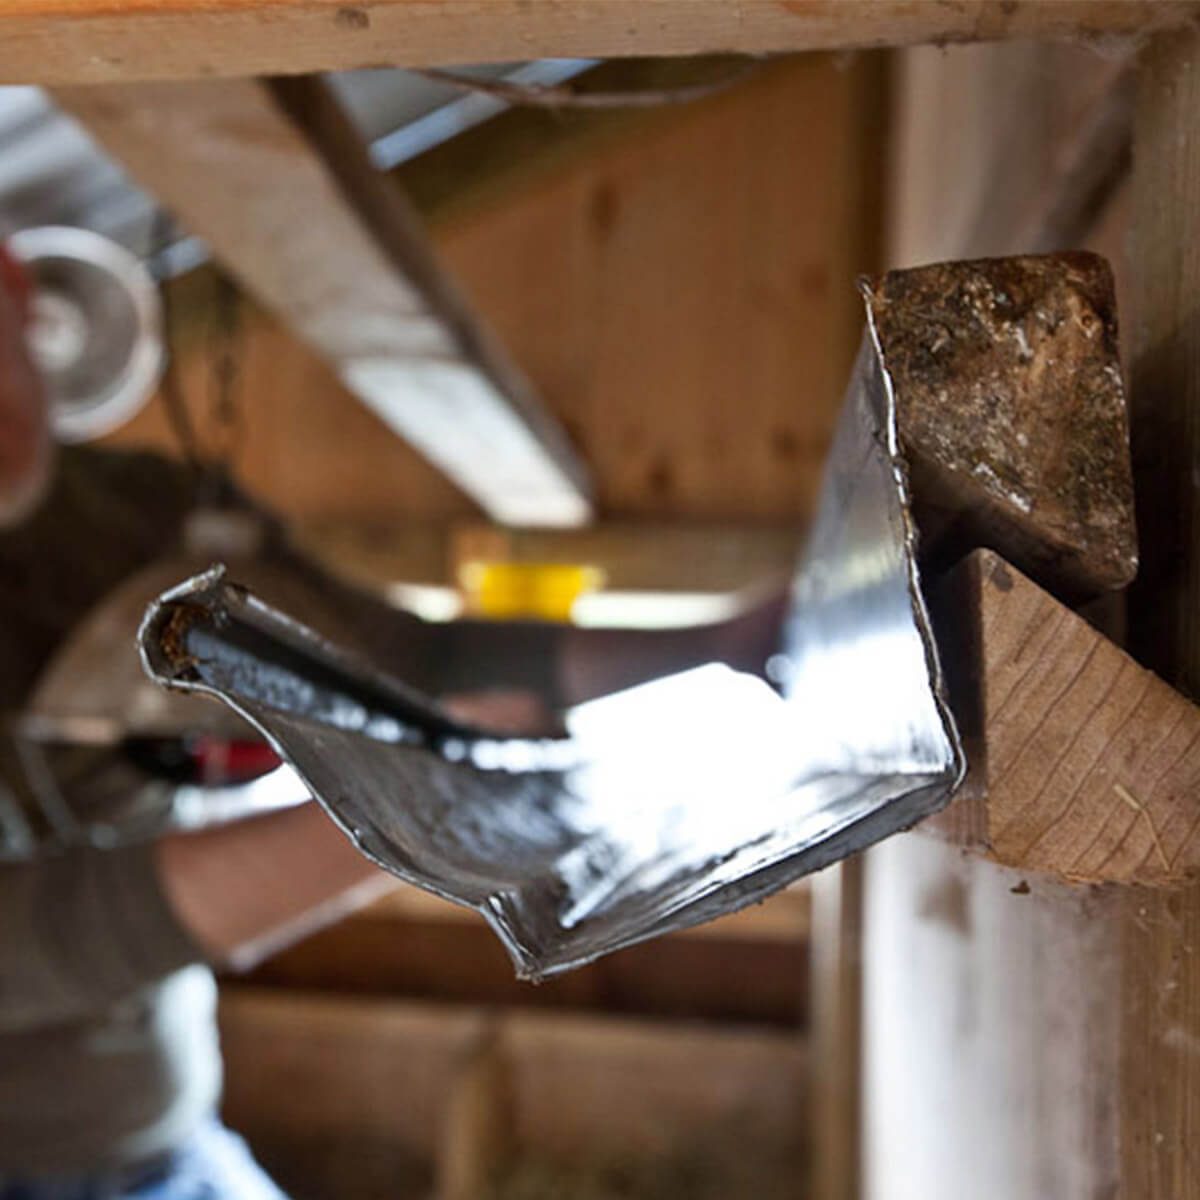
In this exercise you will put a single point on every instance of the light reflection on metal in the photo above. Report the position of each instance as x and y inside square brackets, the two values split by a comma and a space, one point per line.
[668, 804]
[71, 772]
[56, 796]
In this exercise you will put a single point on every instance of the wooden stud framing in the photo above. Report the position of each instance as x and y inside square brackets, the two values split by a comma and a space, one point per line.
[1160, 934]
[306, 1067]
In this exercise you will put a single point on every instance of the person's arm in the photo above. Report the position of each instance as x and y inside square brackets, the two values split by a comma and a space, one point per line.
[246, 890]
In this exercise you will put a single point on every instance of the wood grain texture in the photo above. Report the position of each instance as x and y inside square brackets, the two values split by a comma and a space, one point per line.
[692, 314]
[1083, 764]
[85, 41]
[303, 1066]
[1160, 979]
[477, 1135]
[278, 182]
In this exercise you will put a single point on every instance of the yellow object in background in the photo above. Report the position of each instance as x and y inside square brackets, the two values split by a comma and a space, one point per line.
[508, 591]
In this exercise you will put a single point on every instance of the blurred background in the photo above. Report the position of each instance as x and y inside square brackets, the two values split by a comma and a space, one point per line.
[677, 281]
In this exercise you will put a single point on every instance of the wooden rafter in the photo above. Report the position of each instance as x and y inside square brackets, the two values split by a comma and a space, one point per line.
[276, 179]
[89, 41]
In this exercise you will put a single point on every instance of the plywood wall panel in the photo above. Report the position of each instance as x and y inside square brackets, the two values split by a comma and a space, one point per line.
[686, 301]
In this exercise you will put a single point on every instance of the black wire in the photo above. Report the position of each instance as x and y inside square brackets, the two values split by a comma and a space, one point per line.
[178, 416]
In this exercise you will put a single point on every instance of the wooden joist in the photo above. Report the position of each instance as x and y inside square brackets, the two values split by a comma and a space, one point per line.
[1082, 764]
[277, 180]
[836, 1034]
[354, 1076]
[86, 41]
[750, 967]
[657, 556]
[618, 307]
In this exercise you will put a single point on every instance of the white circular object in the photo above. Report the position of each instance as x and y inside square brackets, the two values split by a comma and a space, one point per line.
[96, 332]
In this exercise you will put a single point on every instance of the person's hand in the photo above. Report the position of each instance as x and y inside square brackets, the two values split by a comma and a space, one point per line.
[26, 445]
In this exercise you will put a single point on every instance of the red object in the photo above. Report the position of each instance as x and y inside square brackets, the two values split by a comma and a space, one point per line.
[15, 280]
[219, 762]
[26, 444]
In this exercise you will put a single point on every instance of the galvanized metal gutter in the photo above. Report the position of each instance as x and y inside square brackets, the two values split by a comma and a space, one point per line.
[667, 805]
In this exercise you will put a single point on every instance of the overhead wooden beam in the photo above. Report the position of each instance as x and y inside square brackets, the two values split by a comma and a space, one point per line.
[636, 556]
[89, 41]
[277, 180]
[497, 161]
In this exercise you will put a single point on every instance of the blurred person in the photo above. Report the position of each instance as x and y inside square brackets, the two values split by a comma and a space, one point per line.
[110, 1067]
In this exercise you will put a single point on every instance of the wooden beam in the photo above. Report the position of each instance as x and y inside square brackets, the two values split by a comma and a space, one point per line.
[1164, 629]
[742, 408]
[1005, 149]
[983, 983]
[303, 1067]
[278, 182]
[836, 1001]
[636, 556]
[1160, 975]
[1019, 977]
[651, 556]
[477, 1134]
[749, 968]
[85, 41]
[1082, 764]
[496, 162]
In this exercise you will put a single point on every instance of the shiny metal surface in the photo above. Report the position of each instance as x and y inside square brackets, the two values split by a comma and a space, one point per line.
[67, 776]
[666, 805]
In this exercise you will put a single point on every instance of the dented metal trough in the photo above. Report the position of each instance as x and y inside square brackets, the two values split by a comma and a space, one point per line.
[666, 805]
